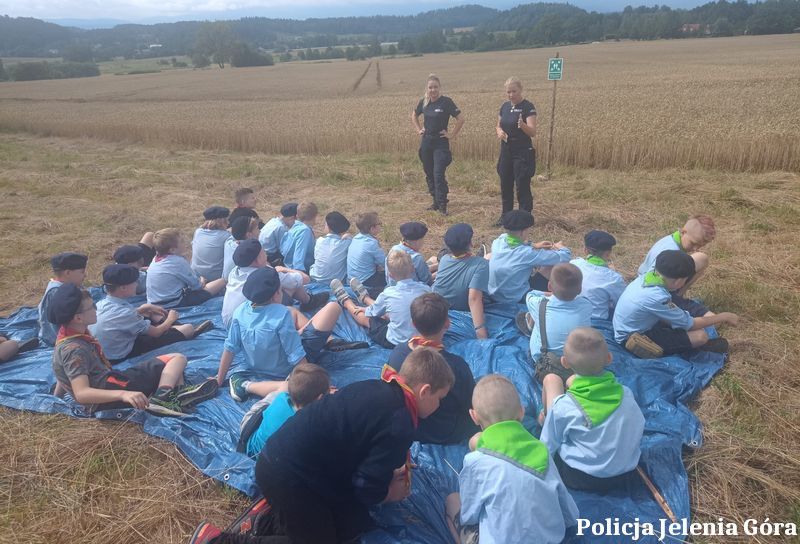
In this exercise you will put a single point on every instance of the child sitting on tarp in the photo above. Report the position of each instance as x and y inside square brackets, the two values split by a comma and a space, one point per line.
[242, 228]
[272, 233]
[11, 348]
[602, 285]
[333, 460]
[307, 382]
[208, 243]
[245, 199]
[413, 234]
[67, 268]
[450, 424]
[365, 257]
[593, 431]
[140, 256]
[297, 245]
[649, 323]
[330, 251]
[509, 489]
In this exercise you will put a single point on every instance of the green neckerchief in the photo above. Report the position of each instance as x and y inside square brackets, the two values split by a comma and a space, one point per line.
[653, 278]
[597, 396]
[676, 236]
[511, 441]
[513, 241]
[595, 260]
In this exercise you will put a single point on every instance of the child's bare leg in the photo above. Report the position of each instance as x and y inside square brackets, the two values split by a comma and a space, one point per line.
[698, 338]
[300, 295]
[148, 240]
[262, 389]
[325, 319]
[172, 374]
[552, 386]
[8, 349]
[357, 311]
[300, 321]
[701, 261]
[452, 509]
[214, 287]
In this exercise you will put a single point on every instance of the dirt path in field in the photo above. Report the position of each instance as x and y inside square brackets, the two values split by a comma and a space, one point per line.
[378, 74]
[361, 78]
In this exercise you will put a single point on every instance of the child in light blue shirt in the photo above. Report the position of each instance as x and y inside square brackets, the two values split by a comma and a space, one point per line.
[272, 233]
[330, 252]
[413, 234]
[365, 256]
[208, 244]
[67, 268]
[242, 228]
[602, 285]
[297, 245]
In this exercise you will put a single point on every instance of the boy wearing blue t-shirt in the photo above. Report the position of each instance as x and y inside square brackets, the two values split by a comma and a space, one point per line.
[509, 489]
[513, 261]
[208, 244]
[67, 268]
[602, 284]
[307, 383]
[330, 251]
[365, 256]
[297, 245]
[413, 234]
[272, 233]
[593, 431]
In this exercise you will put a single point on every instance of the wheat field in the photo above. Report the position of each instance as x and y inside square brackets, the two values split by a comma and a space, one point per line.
[728, 104]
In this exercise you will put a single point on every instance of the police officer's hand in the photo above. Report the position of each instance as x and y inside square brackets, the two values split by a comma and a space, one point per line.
[136, 399]
[421, 131]
[444, 134]
[520, 122]
[501, 134]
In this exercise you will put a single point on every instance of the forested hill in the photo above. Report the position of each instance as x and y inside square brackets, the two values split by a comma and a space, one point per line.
[469, 27]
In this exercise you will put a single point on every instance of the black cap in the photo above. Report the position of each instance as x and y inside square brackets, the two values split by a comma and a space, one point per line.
[64, 304]
[599, 240]
[675, 264]
[413, 230]
[517, 220]
[240, 226]
[337, 223]
[128, 254]
[120, 274]
[261, 285]
[289, 209]
[246, 252]
[69, 261]
[216, 212]
[458, 237]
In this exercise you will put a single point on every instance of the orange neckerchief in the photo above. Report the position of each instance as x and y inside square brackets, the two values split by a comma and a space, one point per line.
[409, 247]
[421, 341]
[389, 375]
[65, 333]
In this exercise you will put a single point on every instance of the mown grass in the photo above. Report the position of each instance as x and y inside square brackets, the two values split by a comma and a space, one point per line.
[63, 479]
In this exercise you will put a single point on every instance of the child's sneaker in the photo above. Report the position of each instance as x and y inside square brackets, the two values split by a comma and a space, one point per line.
[481, 251]
[191, 394]
[164, 404]
[643, 347]
[524, 323]
[238, 390]
[203, 327]
[315, 302]
[338, 291]
[29, 344]
[716, 345]
[246, 523]
[205, 533]
[359, 289]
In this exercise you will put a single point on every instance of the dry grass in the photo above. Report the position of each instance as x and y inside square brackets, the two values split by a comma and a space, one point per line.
[103, 482]
[728, 104]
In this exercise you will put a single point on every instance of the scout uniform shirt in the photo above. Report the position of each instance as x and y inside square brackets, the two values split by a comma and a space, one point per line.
[456, 276]
[364, 256]
[396, 302]
[643, 304]
[227, 263]
[167, 277]
[330, 258]
[421, 271]
[47, 331]
[297, 247]
[208, 253]
[512, 263]
[596, 427]
[272, 234]
[117, 326]
[672, 241]
[233, 292]
[561, 317]
[601, 285]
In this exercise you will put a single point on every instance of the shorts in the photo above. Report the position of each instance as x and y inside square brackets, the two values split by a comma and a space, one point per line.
[148, 253]
[467, 534]
[194, 297]
[290, 280]
[694, 308]
[378, 327]
[671, 340]
[581, 481]
[551, 365]
[314, 342]
[143, 377]
[275, 259]
[144, 343]
[375, 284]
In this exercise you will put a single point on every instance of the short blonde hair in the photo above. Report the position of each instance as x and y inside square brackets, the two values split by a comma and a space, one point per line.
[307, 211]
[399, 264]
[513, 80]
[566, 281]
[586, 351]
[495, 399]
[166, 240]
[365, 221]
[707, 226]
[427, 366]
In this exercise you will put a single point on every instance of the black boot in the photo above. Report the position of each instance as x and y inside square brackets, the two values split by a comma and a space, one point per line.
[443, 208]
[434, 206]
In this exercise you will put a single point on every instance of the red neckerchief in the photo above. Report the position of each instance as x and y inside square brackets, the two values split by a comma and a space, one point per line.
[65, 333]
[465, 255]
[389, 375]
[409, 247]
[421, 341]
[158, 258]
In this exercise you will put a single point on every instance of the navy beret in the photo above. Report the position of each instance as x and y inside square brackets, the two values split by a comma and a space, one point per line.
[458, 237]
[289, 209]
[599, 240]
[261, 285]
[216, 212]
[413, 230]
[64, 303]
[120, 274]
[246, 252]
[517, 220]
[337, 223]
[240, 226]
[68, 261]
[675, 264]
[128, 254]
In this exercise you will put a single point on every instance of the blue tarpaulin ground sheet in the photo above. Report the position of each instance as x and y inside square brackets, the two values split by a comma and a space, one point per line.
[208, 436]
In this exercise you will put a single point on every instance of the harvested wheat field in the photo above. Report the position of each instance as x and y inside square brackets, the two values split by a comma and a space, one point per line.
[101, 482]
[727, 103]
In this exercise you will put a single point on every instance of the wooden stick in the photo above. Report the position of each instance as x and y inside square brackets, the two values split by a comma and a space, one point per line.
[657, 496]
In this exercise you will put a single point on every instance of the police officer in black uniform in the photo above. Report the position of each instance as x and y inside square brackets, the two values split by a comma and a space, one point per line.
[434, 149]
[516, 128]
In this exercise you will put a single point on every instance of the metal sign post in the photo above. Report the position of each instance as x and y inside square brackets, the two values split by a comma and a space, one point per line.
[555, 69]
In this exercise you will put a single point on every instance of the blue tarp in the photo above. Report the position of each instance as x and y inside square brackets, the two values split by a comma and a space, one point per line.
[208, 437]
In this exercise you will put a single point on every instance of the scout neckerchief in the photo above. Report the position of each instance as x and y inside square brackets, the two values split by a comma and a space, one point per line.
[409, 247]
[389, 375]
[65, 333]
[158, 258]
[676, 237]
[421, 341]
[597, 261]
[464, 256]
[597, 396]
[653, 278]
[511, 441]
[513, 241]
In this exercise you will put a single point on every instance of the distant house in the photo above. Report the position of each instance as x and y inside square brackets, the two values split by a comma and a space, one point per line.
[696, 28]
[155, 46]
